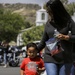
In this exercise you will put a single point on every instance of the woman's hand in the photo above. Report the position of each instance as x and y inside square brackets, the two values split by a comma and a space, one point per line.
[63, 37]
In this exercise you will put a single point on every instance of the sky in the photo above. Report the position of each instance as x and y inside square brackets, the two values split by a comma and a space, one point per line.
[40, 2]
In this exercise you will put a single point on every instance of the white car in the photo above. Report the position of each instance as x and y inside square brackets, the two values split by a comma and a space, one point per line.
[23, 51]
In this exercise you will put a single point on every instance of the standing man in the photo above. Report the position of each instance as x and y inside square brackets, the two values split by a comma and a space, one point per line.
[6, 46]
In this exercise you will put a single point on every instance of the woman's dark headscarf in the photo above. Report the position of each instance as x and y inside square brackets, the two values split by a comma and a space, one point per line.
[61, 16]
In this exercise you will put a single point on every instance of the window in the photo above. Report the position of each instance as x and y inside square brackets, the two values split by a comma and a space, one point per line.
[43, 16]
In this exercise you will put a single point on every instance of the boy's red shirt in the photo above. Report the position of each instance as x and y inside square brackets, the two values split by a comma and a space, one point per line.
[30, 65]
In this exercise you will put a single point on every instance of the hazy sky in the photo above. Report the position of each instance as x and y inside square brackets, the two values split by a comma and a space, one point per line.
[40, 2]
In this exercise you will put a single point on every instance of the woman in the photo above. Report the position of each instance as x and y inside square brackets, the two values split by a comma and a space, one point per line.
[61, 63]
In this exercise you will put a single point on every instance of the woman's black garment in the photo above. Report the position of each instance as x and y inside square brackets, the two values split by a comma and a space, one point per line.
[6, 49]
[66, 45]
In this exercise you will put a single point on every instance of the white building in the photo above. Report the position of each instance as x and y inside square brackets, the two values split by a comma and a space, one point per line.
[41, 17]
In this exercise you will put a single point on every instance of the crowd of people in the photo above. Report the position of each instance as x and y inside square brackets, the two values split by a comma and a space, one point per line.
[60, 63]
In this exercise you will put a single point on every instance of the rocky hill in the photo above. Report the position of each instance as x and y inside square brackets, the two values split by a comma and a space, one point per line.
[28, 11]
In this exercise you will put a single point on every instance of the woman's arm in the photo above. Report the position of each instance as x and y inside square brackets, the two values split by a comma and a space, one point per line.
[71, 37]
[72, 29]
[42, 44]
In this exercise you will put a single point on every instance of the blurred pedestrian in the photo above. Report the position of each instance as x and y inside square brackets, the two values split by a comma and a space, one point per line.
[6, 46]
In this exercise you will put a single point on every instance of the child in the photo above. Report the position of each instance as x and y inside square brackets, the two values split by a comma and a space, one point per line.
[32, 65]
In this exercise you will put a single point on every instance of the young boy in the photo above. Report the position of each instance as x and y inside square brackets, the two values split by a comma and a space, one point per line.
[32, 65]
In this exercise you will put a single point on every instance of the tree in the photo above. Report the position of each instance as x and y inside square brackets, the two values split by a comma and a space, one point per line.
[33, 34]
[70, 8]
[10, 25]
[27, 25]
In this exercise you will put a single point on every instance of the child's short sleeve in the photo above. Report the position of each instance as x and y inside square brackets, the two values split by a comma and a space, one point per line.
[22, 66]
[41, 63]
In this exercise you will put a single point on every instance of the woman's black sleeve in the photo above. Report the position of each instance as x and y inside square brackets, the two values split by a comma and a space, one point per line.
[42, 44]
[72, 29]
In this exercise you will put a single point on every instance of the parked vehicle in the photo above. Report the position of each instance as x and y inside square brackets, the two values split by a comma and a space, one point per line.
[1, 55]
[24, 54]
[14, 57]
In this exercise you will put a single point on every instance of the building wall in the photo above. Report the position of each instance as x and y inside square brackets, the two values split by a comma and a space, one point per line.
[39, 20]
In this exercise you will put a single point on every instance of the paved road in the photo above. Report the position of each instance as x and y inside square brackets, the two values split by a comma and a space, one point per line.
[12, 70]
[9, 71]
